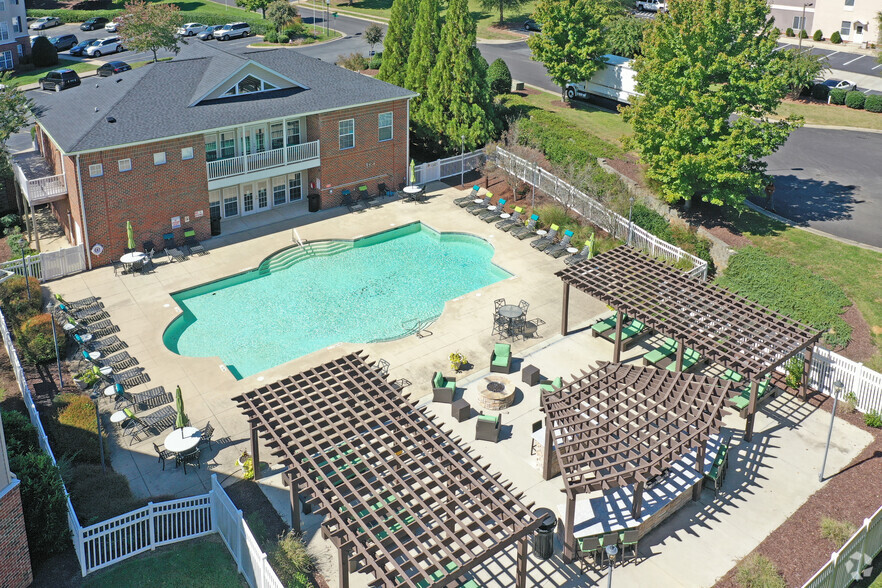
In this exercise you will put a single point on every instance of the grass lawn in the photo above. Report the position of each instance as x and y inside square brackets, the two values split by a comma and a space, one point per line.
[319, 38]
[33, 76]
[829, 114]
[196, 563]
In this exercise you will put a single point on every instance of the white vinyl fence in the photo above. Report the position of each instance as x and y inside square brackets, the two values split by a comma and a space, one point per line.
[829, 367]
[449, 167]
[50, 265]
[847, 564]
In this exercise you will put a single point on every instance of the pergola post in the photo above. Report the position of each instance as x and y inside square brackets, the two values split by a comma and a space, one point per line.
[699, 469]
[617, 345]
[342, 561]
[547, 450]
[637, 501]
[806, 368]
[681, 347]
[569, 547]
[751, 411]
[521, 574]
[294, 498]
[565, 310]
[255, 451]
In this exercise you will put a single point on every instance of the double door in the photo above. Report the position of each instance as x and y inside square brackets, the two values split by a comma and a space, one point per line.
[255, 197]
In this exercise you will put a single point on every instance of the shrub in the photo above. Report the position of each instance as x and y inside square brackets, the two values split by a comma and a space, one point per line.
[776, 32]
[873, 103]
[43, 53]
[821, 92]
[376, 60]
[561, 142]
[803, 34]
[836, 37]
[554, 214]
[43, 503]
[291, 32]
[271, 36]
[21, 435]
[499, 77]
[849, 403]
[97, 496]
[873, 419]
[291, 561]
[353, 61]
[35, 339]
[758, 571]
[789, 32]
[818, 36]
[837, 531]
[837, 96]
[855, 99]
[687, 239]
[14, 299]
[794, 368]
[652, 221]
[73, 431]
[9, 221]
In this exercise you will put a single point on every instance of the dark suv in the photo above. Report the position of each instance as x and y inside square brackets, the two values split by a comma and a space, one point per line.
[60, 79]
[64, 42]
[94, 23]
[232, 30]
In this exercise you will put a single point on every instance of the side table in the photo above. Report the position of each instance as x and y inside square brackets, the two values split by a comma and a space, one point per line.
[461, 410]
[530, 375]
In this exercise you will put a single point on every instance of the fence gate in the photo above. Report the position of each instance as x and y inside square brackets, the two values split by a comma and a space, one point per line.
[63, 262]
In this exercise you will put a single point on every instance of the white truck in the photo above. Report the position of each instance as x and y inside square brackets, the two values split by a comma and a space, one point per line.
[652, 5]
[613, 82]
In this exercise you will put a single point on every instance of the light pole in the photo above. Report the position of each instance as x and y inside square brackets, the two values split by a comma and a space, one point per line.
[630, 213]
[24, 264]
[837, 390]
[461, 160]
[327, 17]
[50, 308]
[611, 551]
[533, 186]
[95, 395]
[802, 23]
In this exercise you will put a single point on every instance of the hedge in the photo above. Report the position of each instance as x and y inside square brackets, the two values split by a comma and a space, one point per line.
[72, 430]
[818, 36]
[836, 37]
[652, 221]
[499, 77]
[35, 340]
[820, 92]
[855, 99]
[837, 96]
[43, 503]
[789, 32]
[21, 435]
[873, 103]
[791, 290]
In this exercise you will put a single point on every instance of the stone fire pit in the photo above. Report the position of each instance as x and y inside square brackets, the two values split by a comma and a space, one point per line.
[496, 393]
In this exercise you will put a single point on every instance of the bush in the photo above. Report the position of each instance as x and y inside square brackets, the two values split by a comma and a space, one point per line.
[652, 221]
[35, 339]
[97, 496]
[855, 99]
[821, 92]
[271, 36]
[9, 221]
[291, 561]
[818, 36]
[353, 61]
[555, 214]
[561, 142]
[376, 60]
[21, 435]
[499, 77]
[803, 34]
[43, 53]
[776, 32]
[687, 239]
[836, 37]
[758, 571]
[849, 403]
[837, 96]
[789, 32]
[291, 32]
[14, 299]
[873, 419]
[837, 531]
[873, 103]
[43, 503]
[794, 367]
[73, 431]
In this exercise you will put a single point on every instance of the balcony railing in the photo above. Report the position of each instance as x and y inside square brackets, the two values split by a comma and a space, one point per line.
[44, 190]
[243, 164]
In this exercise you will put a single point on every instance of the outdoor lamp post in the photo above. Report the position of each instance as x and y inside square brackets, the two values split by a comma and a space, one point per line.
[630, 213]
[611, 551]
[327, 17]
[802, 24]
[461, 159]
[95, 395]
[837, 390]
[50, 308]
[24, 264]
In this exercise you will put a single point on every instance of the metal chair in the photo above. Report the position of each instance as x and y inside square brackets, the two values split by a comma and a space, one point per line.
[629, 539]
[163, 454]
[588, 546]
[207, 432]
[525, 306]
[190, 457]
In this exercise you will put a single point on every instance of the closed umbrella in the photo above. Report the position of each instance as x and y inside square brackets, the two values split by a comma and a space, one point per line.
[412, 173]
[591, 246]
[181, 420]
[131, 233]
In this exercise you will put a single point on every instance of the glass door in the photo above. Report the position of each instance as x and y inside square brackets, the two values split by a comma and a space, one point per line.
[247, 198]
[262, 196]
[295, 188]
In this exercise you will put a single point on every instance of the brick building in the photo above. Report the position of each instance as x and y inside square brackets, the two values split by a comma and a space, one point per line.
[15, 559]
[209, 135]
[15, 43]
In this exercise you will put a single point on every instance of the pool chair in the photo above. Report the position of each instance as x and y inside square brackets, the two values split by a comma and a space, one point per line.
[384, 192]
[602, 326]
[551, 385]
[577, 257]
[479, 209]
[508, 224]
[150, 399]
[151, 424]
[528, 230]
[130, 378]
[121, 361]
[171, 249]
[667, 349]
[88, 314]
[743, 399]
[193, 245]
[148, 247]
[561, 247]
[487, 427]
[691, 358]
[488, 216]
[79, 304]
[630, 332]
[470, 197]
[545, 241]
[731, 375]
[443, 389]
[99, 329]
[364, 195]
[500, 358]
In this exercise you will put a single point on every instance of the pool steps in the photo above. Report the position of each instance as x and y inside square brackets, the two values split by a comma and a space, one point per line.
[291, 256]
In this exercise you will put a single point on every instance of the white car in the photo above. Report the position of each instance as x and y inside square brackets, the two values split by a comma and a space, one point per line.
[191, 28]
[840, 85]
[652, 5]
[104, 47]
[112, 26]
[44, 22]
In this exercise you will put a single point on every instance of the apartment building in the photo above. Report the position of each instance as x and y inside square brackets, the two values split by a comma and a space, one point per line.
[15, 42]
[856, 20]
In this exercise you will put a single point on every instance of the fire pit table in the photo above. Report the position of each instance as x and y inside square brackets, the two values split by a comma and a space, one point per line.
[496, 393]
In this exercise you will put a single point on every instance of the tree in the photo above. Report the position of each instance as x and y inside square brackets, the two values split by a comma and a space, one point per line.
[253, 5]
[801, 68]
[373, 35]
[710, 77]
[281, 13]
[15, 110]
[572, 39]
[150, 27]
[502, 5]
[396, 48]
[43, 53]
[423, 51]
[499, 77]
[625, 35]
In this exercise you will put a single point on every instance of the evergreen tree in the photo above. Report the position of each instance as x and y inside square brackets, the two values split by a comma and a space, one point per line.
[396, 47]
[423, 50]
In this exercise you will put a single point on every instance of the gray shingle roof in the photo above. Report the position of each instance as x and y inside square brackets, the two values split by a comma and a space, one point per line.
[152, 102]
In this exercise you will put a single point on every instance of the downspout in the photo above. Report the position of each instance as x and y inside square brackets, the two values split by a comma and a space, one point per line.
[407, 147]
[83, 213]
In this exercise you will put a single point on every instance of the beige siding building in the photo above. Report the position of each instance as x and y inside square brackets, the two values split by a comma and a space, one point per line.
[856, 20]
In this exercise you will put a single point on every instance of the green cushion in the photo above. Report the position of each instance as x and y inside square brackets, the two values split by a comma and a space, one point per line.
[128, 412]
[668, 348]
[690, 358]
[740, 402]
[488, 417]
[632, 330]
[732, 375]
[189, 233]
[500, 360]
[471, 584]
[604, 325]
[450, 384]
[502, 349]
[439, 380]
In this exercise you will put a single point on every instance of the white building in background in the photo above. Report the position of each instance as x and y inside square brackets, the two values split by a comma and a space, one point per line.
[856, 20]
[15, 41]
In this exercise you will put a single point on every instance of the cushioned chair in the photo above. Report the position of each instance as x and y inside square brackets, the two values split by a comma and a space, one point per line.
[443, 389]
[527, 230]
[628, 539]
[477, 209]
[487, 427]
[546, 240]
[666, 349]
[551, 385]
[500, 358]
[602, 326]
[192, 243]
[588, 547]
[508, 224]
[470, 197]
[630, 332]
[690, 359]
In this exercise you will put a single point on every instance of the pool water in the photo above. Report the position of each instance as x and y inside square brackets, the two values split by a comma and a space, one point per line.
[371, 289]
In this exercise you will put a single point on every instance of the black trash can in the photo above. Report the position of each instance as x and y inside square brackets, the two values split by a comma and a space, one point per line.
[315, 202]
[215, 226]
[543, 540]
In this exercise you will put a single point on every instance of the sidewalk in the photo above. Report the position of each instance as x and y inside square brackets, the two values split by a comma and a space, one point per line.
[844, 47]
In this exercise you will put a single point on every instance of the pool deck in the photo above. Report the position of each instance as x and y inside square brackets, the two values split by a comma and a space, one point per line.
[768, 478]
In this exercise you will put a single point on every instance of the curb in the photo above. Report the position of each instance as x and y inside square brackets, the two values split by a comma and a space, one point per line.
[841, 128]
[286, 46]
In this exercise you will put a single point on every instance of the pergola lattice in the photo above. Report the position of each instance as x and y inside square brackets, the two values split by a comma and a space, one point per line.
[398, 491]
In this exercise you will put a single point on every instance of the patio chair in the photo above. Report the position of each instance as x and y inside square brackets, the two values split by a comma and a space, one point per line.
[382, 190]
[666, 349]
[537, 426]
[364, 194]
[121, 361]
[717, 473]
[171, 249]
[190, 457]
[561, 247]
[148, 246]
[88, 314]
[577, 257]
[130, 378]
[588, 547]
[732, 376]
[471, 196]
[477, 209]
[138, 266]
[487, 427]
[605, 541]
[153, 423]
[192, 243]
[443, 389]
[630, 333]
[743, 400]
[207, 433]
[110, 344]
[488, 216]
[81, 303]
[628, 539]
[551, 385]
[604, 325]
[691, 358]
[527, 230]
[163, 454]
[546, 240]
[118, 267]
[509, 223]
[101, 328]
[500, 358]
[149, 399]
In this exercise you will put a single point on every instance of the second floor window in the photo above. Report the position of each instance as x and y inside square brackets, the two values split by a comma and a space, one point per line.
[16, 24]
[277, 136]
[385, 126]
[96, 170]
[293, 134]
[347, 133]
[845, 30]
[4, 30]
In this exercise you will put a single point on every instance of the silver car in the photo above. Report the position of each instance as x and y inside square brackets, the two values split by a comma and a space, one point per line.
[44, 22]
[191, 28]
[104, 47]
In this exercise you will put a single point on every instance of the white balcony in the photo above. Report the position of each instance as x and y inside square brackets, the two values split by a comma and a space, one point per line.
[253, 162]
[38, 184]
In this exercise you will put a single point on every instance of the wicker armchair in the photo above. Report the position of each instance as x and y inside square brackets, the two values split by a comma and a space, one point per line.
[443, 389]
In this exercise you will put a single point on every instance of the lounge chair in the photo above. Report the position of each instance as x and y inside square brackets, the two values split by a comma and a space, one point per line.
[577, 257]
[130, 378]
[121, 361]
[152, 398]
[153, 423]
[717, 474]
[561, 247]
[80, 304]
[470, 197]
[743, 400]
[630, 332]
[527, 230]
[171, 248]
[488, 216]
[732, 376]
[508, 224]
[443, 389]
[478, 209]
[667, 349]
[89, 314]
[551, 385]
[690, 359]
[602, 326]
[546, 240]
[100, 329]
[500, 358]
[487, 427]
[192, 243]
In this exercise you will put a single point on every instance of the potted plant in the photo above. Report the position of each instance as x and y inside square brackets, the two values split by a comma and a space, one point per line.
[458, 361]
[86, 379]
[242, 459]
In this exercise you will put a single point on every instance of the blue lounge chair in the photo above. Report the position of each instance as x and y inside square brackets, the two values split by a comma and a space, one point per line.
[508, 224]
[561, 247]
[488, 216]
[470, 197]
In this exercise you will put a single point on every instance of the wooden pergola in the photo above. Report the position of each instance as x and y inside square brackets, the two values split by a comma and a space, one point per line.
[624, 424]
[729, 329]
[401, 498]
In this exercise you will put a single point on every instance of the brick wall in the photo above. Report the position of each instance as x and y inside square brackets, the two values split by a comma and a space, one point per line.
[15, 559]
[12, 46]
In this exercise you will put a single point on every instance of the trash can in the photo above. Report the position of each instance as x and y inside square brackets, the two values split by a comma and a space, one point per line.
[315, 202]
[215, 226]
[543, 540]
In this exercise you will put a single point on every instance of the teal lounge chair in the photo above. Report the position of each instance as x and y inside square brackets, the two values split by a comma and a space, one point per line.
[500, 358]
[666, 349]
[470, 197]
[488, 216]
[443, 389]
[561, 247]
[528, 230]
[690, 358]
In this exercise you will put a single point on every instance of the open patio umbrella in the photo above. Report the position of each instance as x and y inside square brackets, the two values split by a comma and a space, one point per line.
[181, 420]
[412, 173]
[131, 233]
[591, 246]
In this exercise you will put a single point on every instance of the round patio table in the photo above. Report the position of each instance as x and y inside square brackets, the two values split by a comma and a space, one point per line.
[106, 370]
[182, 440]
[133, 257]
[541, 232]
[118, 417]
[412, 189]
[504, 215]
[110, 390]
[478, 200]
[510, 312]
[572, 250]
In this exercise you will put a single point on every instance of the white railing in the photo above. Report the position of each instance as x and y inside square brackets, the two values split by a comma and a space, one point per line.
[847, 564]
[445, 168]
[50, 264]
[595, 212]
[243, 164]
[41, 190]
[828, 367]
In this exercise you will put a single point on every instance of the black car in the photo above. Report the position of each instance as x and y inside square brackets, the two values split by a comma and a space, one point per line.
[94, 23]
[208, 33]
[63, 42]
[532, 25]
[113, 67]
[80, 48]
[60, 79]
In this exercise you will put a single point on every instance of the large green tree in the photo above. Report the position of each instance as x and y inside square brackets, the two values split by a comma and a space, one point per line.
[502, 5]
[281, 13]
[253, 5]
[458, 106]
[572, 37]
[710, 78]
[423, 50]
[150, 27]
[625, 35]
[396, 47]
[15, 110]
[801, 68]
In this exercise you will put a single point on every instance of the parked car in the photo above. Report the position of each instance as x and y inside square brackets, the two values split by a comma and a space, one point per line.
[208, 33]
[652, 5]
[64, 42]
[113, 67]
[232, 30]
[59, 79]
[840, 85]
[532, 25]
[44, 22]
[191, 28]
[80, 48]
[105, 46]
[112, 26]
[96, 22]
[34, 38]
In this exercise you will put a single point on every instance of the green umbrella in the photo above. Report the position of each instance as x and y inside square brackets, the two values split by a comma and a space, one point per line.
[412, 173]
[131, 233]
[591, 246]
[181, 420]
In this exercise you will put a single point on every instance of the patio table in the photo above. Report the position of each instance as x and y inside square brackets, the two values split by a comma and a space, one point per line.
[572, 250]
[129, 258]
[110, 390]
[510, 312]
[478, 200]
[504, 215]
[118, 417]
[541, 232]
[182, 440]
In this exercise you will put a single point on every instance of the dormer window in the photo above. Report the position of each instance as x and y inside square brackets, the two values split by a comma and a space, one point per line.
[250, 85]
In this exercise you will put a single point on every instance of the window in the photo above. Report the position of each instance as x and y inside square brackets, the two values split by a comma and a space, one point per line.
[293, 136]
[214, 204]
[187, 153]
[96, 170]
[249, 85]
[385, 125]
[124, 165]
[6, 60]
[16, 24]
[347, 133]
[845, 29]
[261, 195]
[4, 30]
[849, 3]
[277, 136]
[228, 144]
[20, 49]
[211, 151]
[2, 5]
[247, 198]
[798, 23]
[159, 158]
[279, 194]
[231, 201]
[294, 187]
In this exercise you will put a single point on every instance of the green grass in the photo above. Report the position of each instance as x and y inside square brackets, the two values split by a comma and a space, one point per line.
[828, 114]
[321, 37]
[196, 563]
[33, 76]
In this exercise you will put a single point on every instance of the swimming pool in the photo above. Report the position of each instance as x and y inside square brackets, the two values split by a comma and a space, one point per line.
[370, 289]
